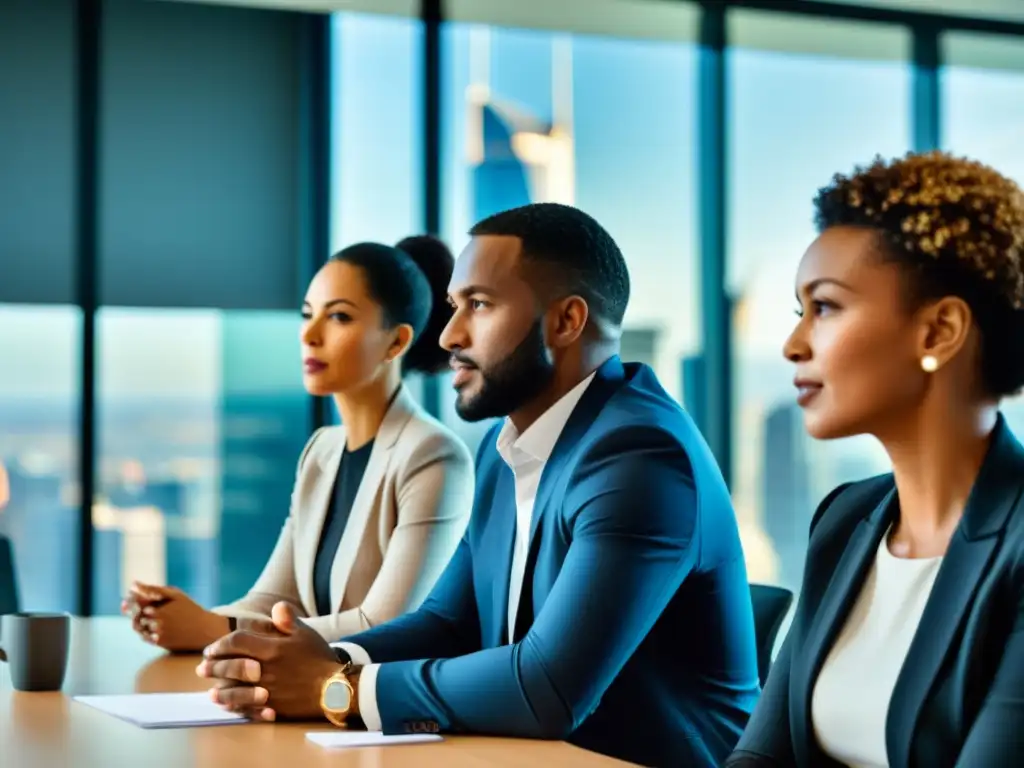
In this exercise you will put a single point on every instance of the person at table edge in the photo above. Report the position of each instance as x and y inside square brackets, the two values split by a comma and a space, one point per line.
[381, 501]
[600, 593]
[907, 646]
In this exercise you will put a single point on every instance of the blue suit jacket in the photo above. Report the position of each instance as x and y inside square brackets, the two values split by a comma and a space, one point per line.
[635, 634]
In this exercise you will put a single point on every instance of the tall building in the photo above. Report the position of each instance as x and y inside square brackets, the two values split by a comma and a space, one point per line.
[260, 446]
[157, 531]
[43, 529]
[788, 506]
[516, 157]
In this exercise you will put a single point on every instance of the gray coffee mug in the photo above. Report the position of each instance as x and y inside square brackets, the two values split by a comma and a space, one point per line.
[35, 647]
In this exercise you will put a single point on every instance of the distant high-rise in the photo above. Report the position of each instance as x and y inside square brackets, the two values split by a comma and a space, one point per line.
[787, 496]
[43, 530]
[518, 158]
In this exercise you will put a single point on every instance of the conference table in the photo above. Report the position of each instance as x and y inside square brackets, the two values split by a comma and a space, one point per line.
[47, 730]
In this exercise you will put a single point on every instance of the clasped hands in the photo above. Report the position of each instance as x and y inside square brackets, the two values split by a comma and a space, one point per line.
[273, 669]
[170, 619]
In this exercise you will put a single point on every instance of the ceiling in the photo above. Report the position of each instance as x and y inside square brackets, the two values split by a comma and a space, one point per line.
[1005, 10]
[1010, 10]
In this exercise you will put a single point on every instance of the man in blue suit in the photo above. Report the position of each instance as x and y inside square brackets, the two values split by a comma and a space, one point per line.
[599, 594]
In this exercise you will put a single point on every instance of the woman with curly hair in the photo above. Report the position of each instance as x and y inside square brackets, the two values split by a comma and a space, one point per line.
[907, 646]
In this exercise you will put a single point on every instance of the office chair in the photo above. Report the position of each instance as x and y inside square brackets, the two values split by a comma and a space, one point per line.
[8, 586]
[770, 607]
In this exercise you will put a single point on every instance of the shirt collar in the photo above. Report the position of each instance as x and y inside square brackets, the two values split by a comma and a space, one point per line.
[538, 441]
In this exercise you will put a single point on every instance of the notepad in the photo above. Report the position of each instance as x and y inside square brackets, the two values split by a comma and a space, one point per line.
[336, 739]
[164, 710]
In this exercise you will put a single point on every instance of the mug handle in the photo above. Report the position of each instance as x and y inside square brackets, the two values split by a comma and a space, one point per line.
[3, 654]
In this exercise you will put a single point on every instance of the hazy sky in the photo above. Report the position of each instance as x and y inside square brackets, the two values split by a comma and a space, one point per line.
[794, 121]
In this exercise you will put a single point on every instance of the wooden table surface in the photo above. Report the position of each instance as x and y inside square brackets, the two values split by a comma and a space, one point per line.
[49, 730]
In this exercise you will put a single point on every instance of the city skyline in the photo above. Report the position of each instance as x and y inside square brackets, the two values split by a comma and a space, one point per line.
[631, 131]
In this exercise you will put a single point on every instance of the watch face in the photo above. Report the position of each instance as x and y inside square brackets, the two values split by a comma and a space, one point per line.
[337, 697]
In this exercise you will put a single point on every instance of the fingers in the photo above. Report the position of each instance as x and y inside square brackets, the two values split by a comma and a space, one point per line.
[259, 627]
[244, 700]
[148, 629]
[146, 619]
[241, 670]
[152, 593]
[144, 593]
[243, 644]
[284, 617]
[240, 698]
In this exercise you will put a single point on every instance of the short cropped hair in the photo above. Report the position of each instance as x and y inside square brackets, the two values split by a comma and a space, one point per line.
[956, 227]
[577, 253]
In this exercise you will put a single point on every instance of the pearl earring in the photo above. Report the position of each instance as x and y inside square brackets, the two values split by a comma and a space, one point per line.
[929, 364]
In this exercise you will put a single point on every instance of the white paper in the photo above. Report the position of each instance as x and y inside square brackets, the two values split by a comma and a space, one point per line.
[341, 738]
[163, 710]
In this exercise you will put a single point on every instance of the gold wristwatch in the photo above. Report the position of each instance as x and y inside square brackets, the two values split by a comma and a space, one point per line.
[338, 697]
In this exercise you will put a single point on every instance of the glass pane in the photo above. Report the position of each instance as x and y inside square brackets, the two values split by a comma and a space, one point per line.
[982, 111]
[578, 119]
[377, 107]
[39, 409]
[377, 139]
[201, 419]
[795, 120]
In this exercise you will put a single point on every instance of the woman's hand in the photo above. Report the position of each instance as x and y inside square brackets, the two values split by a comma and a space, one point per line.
[167, 617]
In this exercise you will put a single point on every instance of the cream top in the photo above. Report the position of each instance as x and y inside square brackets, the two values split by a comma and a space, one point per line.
[851, 696]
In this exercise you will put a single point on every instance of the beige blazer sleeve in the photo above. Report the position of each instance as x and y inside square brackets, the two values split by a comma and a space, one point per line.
[433, 494]
[277, 581]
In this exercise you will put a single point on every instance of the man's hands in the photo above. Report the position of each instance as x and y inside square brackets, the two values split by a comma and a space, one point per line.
[167, 617]
[273, 674]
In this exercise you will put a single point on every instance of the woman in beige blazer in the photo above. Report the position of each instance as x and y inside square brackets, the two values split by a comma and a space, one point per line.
[379, 504]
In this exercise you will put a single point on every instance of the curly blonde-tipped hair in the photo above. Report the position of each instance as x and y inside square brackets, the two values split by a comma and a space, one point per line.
[958, 225]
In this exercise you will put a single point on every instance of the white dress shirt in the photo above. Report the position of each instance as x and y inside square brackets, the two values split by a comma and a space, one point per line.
[525, 454]
[850, 701]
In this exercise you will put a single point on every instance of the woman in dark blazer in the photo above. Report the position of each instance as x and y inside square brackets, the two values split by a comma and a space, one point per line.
[907, 647]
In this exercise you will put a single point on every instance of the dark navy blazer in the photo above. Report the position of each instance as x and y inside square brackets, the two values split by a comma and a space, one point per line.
[636, 633]
[959, 697]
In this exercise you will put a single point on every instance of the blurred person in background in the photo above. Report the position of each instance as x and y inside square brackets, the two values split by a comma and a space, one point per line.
[907, 646]
[380, 502]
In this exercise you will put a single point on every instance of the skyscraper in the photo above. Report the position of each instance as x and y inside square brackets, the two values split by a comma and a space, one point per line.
[43, 529]
[788, 505]
[516, 157]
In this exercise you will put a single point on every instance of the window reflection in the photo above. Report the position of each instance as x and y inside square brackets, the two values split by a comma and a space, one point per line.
[39, 408]
[795, 120]
[201, 419]
[535, 116]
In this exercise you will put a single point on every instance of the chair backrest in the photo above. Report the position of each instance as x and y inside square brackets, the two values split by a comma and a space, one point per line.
[8, 586]
[770, 607]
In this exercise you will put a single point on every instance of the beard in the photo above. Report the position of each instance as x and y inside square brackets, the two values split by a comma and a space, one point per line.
[515, 381]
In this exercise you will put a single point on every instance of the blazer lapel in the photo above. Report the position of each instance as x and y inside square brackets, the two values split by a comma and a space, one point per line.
[994, 496]
[308, 538]
[606, 382]
[365, 502]
[839, 597]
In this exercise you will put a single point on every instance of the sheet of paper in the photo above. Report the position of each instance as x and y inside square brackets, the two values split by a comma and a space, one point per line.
[340, 738]
[163, 710]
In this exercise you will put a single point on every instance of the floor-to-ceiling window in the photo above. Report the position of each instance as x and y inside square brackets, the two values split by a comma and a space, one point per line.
[39, 438]
[200, 410]
[601, 121]
[982, 97]
[376, 132]
[40, 324]
[807, 98]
